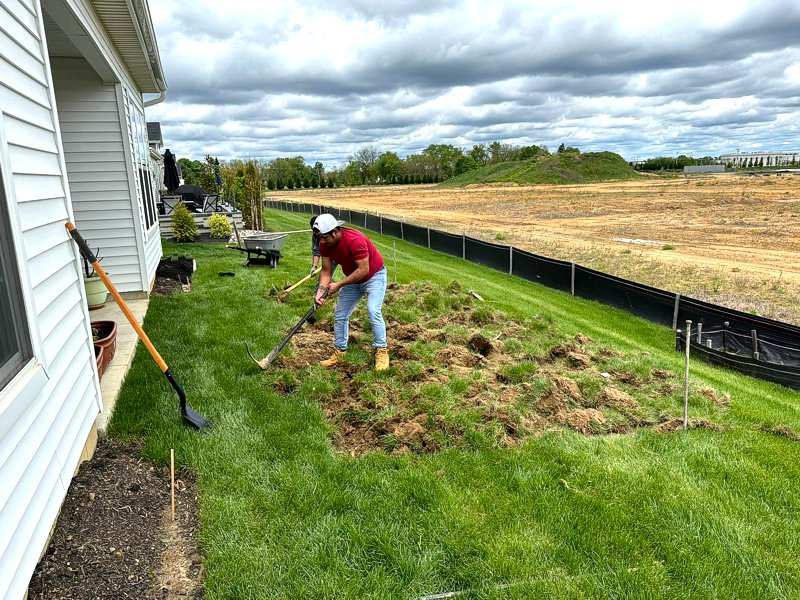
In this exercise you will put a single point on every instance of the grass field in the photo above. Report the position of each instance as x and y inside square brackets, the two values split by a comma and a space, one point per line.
[286, 513]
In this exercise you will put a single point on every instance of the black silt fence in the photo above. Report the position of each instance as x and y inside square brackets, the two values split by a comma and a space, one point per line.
[641, 300]
[738, 359]
[357, 218]
[547, 271]
[487, 254]
[415, 235]
[392, 228]
[713, 316]
[447, 242]
[373, 223]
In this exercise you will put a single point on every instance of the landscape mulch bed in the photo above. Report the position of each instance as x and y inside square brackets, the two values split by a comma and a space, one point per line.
[115, 537]
[172, 275]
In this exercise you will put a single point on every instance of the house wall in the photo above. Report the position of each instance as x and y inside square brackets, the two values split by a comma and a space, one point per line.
[48, 410]
[94, 150]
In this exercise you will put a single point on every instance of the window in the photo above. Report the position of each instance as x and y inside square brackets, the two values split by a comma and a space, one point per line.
[15, 348]
[140, 152]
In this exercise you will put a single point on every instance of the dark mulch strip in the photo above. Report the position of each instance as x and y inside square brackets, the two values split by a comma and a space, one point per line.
[163, 286]
[202, 238]
[110, 535]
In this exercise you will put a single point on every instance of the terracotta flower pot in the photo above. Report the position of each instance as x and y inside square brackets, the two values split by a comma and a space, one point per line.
[98, 357]
[104, 334]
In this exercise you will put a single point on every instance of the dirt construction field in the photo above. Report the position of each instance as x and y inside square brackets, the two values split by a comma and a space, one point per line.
[729, 239]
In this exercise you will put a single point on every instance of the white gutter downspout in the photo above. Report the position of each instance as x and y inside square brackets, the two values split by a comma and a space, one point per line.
[161, 97]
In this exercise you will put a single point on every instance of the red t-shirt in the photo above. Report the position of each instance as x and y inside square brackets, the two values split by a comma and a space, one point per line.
[353, 246]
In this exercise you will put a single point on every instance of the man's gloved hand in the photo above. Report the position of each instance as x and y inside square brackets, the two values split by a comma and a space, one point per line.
[313, 269]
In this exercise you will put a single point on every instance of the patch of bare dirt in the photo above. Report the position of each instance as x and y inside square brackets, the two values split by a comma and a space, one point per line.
[676, 424]
[115, 537]
[784, 431]
[718, 399]
[615, 398]
[584, 420]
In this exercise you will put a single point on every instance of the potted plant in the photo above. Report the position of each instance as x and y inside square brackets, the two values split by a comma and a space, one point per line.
[98, 358]
[96, 291]
[104, 334]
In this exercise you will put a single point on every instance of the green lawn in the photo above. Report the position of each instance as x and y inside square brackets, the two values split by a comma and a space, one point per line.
[692, 514]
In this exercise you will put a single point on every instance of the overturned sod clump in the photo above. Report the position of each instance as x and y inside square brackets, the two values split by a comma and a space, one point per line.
[463, 375]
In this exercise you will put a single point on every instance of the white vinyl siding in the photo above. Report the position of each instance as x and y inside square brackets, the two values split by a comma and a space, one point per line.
[46, 416]
[97, 171]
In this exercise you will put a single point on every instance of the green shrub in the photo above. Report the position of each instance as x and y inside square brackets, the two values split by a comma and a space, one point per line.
[183, 226]
[220, 226]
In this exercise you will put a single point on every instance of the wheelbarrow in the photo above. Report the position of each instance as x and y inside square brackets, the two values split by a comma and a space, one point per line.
[261, 249]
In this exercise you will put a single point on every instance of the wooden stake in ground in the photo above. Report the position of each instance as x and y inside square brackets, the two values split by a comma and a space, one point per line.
[394, 252]
[688, 338]
[172, 478]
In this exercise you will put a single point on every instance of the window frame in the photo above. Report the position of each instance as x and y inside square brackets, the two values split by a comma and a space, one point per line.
[13, 288]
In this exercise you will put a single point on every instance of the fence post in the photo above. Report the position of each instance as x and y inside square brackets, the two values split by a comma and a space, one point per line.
[381, 222]
[429, 237]
[754, 337]
[510, 260]
[700, 333]
[686, 375]
[464, 245]
[675, 312]
[572, 280]
[402, 234]
[365, 220]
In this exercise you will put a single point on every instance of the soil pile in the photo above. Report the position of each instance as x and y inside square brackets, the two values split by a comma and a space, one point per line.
[172, 274]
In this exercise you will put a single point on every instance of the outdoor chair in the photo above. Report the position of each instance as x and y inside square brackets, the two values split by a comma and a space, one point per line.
[210, 203]
[170, 202]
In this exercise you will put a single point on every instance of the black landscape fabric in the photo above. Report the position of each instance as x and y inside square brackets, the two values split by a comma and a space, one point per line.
[487, 254]
[641, 300]
[416, 235]
[447, 243]
[392, 228]
[547, 271]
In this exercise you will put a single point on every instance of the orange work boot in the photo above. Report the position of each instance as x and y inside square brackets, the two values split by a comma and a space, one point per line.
[333, 360]
[381, 359]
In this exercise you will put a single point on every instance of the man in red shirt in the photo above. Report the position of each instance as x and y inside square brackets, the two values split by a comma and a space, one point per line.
[364, 272]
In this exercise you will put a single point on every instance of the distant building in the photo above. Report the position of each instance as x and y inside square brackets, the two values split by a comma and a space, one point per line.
[761, 159]
[704, 169]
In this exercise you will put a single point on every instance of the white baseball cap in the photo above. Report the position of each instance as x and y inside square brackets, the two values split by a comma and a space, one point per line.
[326, 223]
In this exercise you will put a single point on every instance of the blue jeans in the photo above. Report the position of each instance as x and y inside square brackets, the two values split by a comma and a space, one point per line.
[349, 296]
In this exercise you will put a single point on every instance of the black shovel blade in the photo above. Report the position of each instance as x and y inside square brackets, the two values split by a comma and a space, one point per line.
[194, 419]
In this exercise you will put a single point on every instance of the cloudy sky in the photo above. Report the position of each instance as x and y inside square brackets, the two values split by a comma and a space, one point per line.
[323, 78]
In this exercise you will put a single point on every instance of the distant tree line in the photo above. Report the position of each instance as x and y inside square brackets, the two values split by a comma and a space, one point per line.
[240, 182]
[366, 166]
[672, 163]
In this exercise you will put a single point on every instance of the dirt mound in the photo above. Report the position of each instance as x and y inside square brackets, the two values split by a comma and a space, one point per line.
[457, 356]
[585, 420]
[611, 396]
[568, 387]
